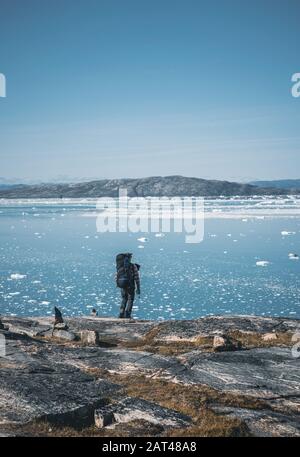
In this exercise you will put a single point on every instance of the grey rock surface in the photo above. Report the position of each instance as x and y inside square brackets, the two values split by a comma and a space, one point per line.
[130, 409]
[189, 329]
[264, 423]
[61, 334]
[42, 377]
[34, 386]
[263, 372]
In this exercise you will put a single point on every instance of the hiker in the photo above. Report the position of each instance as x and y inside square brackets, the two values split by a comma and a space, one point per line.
[94, 312]
[128, 279]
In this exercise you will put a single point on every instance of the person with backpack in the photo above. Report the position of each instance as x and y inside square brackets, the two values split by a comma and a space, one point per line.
[128, 280]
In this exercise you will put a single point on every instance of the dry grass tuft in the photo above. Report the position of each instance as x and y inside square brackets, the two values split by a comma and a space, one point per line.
[191, 400]
[251, 340]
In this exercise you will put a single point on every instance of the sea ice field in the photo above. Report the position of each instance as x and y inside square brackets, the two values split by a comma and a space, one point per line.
[248, 262]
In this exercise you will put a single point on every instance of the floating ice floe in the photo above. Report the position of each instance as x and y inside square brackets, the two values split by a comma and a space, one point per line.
[143, 240]
[159, 235]
[141, 246]
[286, 233]
[262, 263]
[17, 276]
[293, 256]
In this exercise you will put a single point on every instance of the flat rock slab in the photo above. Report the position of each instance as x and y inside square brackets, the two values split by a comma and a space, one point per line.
[26, 326]
[122, 330]
[131, 409]
[33, 386]
[263, 373]
[121, 361]
[42, 378]
[264, 422]
[269, 374]
[209, 326]
[109, 329]
[126, 330]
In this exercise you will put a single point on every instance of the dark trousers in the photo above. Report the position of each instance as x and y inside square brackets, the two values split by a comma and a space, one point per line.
[127, 302]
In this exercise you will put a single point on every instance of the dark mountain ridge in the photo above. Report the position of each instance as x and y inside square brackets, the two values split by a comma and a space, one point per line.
[141, 187]
[291, 184]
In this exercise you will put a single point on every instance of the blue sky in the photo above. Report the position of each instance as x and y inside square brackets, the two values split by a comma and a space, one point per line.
[127, 88]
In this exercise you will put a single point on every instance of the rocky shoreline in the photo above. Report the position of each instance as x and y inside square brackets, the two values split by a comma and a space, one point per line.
[213, 376]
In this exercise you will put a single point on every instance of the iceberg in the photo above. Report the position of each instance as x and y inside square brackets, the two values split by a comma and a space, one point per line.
[293, 256]
[16, 276]
[262, 263]
[286, 233]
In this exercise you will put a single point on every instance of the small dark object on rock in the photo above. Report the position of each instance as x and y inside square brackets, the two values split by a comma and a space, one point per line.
[94, 312]
[58, 319]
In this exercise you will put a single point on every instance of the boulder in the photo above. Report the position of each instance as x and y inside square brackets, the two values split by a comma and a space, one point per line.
[103, 418]
[89, 337]
[219, 342]
[64, 335]
[61, 326]
[132, 409]
[224, 343]
[269, 337]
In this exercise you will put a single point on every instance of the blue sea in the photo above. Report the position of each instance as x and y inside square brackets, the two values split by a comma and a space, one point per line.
[51, 254]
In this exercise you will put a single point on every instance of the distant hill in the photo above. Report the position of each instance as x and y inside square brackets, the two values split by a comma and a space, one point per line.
[280, 183]
[153, 186]
[5, 186]
[7, 183]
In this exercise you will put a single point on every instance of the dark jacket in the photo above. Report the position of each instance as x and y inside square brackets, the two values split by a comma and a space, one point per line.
[135, 277]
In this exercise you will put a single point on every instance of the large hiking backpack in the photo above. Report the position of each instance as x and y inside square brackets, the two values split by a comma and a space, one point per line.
[124, 271]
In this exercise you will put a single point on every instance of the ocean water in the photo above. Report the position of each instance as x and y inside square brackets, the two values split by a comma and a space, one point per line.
[51, 254]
